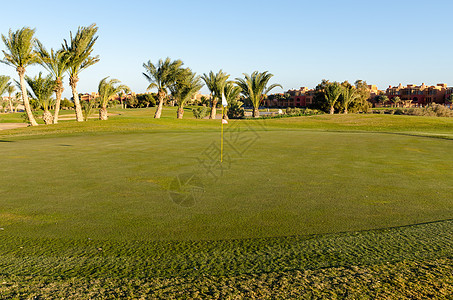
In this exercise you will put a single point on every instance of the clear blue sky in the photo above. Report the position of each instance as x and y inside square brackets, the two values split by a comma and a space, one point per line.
[300, 42]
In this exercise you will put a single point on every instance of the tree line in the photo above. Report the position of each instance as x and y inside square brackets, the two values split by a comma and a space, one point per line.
[169, 77]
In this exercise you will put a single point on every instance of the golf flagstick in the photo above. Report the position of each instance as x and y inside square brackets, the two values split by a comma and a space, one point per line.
[224, 104]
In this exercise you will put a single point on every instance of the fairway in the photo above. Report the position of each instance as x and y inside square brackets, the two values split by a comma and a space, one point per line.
[273, 183]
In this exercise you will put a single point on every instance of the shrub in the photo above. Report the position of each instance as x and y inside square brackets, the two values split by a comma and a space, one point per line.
[200, 112]
[432, 110]
[293, 111]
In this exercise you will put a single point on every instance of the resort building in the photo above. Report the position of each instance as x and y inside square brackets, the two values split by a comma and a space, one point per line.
[421, 94]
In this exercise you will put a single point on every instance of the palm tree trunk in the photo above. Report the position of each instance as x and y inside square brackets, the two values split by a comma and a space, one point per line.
[103, 113]
[160, 97]
[58, 93]
[332, 110]
[180, 112]
[213, 109]
[256, 112]
[78, 108]
[47, 117]
[31, 118]
[10, 104]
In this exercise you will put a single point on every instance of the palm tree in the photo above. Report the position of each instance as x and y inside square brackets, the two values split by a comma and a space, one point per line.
[254, 88]
[331, 94]
[231, 92]
[4, 84]
[396, 100]
[216, 84]
[348, 95]
[42, 88]
[10, 90]
[107, 89]
[77, 54]
[20, 54]
[161, 76]
[56, 63]
[186, 85]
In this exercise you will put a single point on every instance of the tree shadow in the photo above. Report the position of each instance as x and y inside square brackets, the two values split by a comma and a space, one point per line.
[5, 141]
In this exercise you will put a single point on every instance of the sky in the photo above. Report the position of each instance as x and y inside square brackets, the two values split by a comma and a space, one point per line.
[300, 42]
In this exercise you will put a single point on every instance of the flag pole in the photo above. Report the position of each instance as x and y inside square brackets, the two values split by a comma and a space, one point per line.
[221, 138]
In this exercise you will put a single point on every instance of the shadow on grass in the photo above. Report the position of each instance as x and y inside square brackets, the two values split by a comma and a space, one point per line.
[5, 141]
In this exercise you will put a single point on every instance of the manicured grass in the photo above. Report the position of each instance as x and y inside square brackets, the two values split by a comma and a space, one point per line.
[97, 201]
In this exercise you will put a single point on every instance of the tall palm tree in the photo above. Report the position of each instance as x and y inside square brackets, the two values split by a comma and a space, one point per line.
[10, 90]
[216, 84]
[231, 92]
[20, 54]
[42, 88]
[78, 57]
[348, 95]
[254, 87]
[161, 76]
[107, 89]
[56, 63]
[331, 94]
[186, 85]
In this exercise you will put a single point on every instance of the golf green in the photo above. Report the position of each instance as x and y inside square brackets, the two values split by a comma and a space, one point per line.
[170, 185]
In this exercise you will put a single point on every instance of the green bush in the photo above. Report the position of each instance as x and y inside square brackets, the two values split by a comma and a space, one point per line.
[200, 112]
[293, 111]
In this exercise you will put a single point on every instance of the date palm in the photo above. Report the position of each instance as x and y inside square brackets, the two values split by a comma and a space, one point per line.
[4, 85]
[348, 95]
[107, 89]
[20, 54]
[216, 84]
[77, 54]
[43, 88]
[396, 100]
[161, 76]
[10, 90]
[231, 92]
[56, 62]
[331, 95]
[254, 87]
[186, 85]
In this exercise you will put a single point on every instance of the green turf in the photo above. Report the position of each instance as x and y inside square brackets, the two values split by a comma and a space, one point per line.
[93, 201]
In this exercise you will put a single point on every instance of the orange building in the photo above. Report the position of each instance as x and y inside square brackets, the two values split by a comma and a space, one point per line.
[421, 94]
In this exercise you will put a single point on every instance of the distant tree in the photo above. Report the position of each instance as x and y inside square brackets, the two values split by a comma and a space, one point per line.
[145, 100]
[382, 99]
[77, 53]
[4, 84]
[232, 93]
[43, 88]
[10, 90]
[331, 94]
[161, 76]
[254, 87]
[234, 109]
[216, 84]
[56, 62]
[106, 90]
[20, 54]
[396, 100]
[348, 95]
[186, 85]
